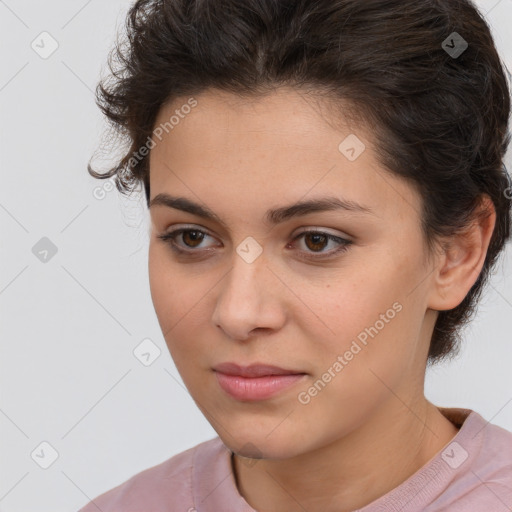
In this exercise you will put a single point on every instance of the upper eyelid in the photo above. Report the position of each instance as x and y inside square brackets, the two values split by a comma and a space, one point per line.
[341, 239]
[315, 228]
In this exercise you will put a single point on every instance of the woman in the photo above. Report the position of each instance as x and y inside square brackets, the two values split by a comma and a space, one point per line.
[328, 197]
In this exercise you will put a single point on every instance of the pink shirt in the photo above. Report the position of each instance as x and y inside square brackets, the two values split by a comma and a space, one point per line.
[472, 473]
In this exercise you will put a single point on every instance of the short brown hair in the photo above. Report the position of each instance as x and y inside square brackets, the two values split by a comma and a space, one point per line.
[439, 109]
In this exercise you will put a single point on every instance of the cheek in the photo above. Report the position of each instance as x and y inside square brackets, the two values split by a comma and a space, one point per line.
[159, 284]
[173, 289]
[179, 301]
[350, 305]
[356, 368]
[369, 321]
[167, 291]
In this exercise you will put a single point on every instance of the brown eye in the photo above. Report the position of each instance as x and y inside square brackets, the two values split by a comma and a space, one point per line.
[316, 241]
[191, 239]
[195, 237]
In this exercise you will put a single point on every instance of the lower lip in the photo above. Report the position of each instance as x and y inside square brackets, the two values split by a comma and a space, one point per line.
[256, 388]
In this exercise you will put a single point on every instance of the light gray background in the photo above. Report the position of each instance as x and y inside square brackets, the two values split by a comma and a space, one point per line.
[69, 325]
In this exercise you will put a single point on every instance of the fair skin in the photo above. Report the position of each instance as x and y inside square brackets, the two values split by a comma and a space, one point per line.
[370, 427]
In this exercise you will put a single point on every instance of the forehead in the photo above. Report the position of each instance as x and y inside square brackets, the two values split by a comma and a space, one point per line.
[268, 150]
[283, 111]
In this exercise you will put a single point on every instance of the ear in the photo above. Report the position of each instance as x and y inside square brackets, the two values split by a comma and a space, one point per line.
[462, 259]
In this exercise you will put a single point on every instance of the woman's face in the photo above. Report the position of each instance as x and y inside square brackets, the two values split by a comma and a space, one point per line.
[349, 316]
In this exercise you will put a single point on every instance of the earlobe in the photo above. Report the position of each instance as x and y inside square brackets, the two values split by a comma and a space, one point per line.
[462, 259]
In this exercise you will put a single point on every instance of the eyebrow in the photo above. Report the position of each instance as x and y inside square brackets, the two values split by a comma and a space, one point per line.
[273, 216]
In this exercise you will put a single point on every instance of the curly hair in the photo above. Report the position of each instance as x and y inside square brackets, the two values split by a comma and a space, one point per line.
[425, 76]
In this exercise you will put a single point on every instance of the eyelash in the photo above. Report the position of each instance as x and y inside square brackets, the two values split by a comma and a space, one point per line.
[169, 238]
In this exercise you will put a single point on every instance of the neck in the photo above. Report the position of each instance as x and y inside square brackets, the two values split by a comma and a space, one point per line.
[351, 472]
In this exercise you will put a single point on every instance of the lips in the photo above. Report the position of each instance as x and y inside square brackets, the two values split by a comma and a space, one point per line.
[254, 370]
[255, 382]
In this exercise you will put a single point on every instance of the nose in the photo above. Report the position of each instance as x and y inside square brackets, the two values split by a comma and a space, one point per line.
[249, 300]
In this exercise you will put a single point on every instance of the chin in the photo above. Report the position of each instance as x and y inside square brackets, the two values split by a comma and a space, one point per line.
[254, 444]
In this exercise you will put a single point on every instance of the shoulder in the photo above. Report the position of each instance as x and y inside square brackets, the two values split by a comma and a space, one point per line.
[493, 468]
[483, 468]
[494, 460]
[159, 487]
